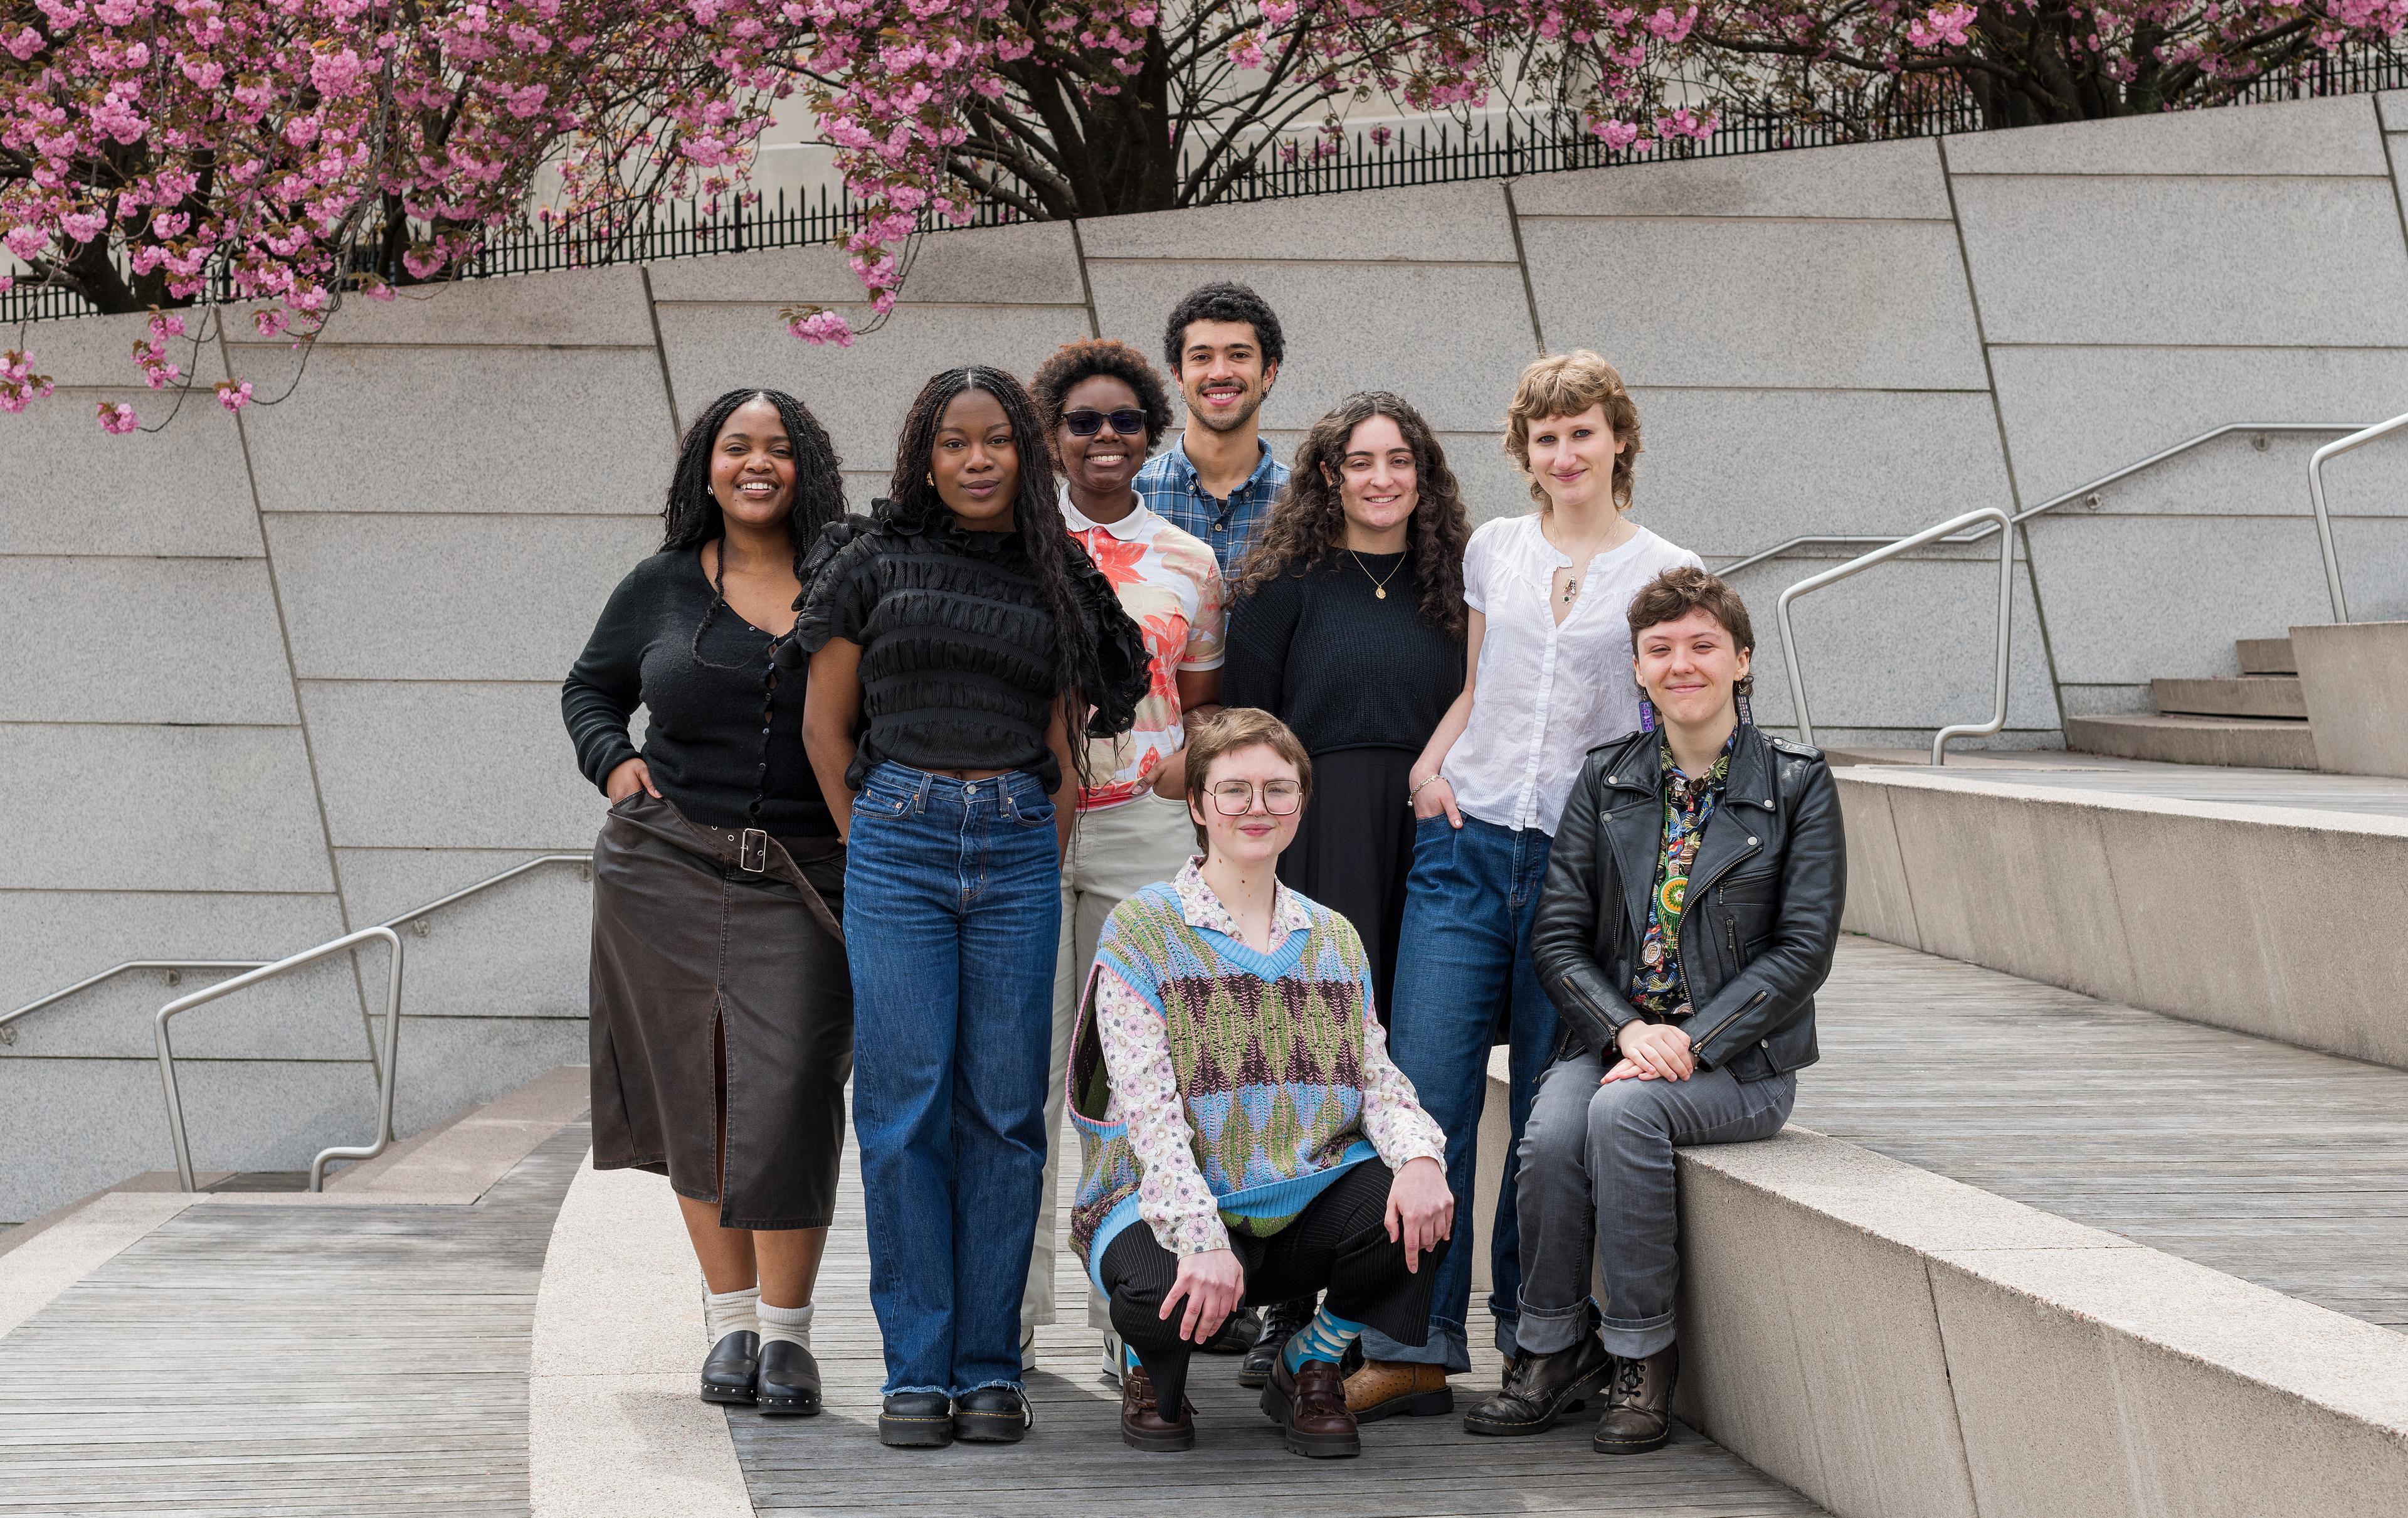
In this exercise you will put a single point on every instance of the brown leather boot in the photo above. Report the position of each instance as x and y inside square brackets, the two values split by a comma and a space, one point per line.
[1639, 1408]
[1142, 1425]
[1384, 1388]
[1310, 1407]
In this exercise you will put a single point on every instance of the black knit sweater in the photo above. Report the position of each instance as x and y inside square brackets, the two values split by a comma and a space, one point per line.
[724, 742]
[1345, 668]
[957, 642]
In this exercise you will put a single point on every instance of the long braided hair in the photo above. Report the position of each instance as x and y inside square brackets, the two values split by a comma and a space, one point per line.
[1036, 514]
[1308, 524]
[692, 516]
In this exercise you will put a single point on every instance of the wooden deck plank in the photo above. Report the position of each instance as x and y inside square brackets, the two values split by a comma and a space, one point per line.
[2280, 1165]
[334, 1363]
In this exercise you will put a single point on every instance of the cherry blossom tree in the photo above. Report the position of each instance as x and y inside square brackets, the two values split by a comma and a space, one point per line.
[297, 153]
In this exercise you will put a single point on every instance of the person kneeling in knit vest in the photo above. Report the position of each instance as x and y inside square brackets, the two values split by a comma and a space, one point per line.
[1246, 1138]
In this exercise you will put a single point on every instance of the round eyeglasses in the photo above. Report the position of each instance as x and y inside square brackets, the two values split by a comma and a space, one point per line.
[1236, 798]
[1128, 422]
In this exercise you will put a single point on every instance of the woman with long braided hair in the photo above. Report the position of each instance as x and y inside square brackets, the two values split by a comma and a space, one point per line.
[961, 647]
[722, 1011]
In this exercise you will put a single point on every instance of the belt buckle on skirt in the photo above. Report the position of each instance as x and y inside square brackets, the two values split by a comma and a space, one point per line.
[753, 851]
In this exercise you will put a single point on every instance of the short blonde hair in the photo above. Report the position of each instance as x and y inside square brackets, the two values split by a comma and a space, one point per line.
[1227, 730]
[1567, 384]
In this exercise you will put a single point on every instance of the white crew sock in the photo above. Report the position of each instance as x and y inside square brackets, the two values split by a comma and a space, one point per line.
[730, 1312]
[793, 1325]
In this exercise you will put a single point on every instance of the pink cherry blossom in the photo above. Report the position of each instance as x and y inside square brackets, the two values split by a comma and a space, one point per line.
[117, 418]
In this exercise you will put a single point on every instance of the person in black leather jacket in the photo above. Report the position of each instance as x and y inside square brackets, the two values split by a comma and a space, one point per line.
[1690, 911]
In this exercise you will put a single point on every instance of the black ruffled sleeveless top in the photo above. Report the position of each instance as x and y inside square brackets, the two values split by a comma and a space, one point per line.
[957, 642]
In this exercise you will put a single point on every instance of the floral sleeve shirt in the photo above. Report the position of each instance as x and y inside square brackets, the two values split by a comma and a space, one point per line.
[1172, 1196]
[1657, 985]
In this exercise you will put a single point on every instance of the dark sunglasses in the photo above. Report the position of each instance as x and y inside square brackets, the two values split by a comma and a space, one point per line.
[1128, 422]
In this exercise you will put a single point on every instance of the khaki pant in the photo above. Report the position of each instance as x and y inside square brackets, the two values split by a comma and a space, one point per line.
[1114, 853]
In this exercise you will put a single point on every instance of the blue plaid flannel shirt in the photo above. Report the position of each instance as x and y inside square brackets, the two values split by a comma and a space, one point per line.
[1168, 485]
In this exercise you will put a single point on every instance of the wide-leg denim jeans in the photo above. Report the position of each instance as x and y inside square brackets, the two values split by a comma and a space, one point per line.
[952, 904]
[1464, 982]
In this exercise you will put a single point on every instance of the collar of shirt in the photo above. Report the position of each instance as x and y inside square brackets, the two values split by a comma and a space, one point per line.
[1203, 909]
[1680, 788]
[1193, 481]
[1138, 523]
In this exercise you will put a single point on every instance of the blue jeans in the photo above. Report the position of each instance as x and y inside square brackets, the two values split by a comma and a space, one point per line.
[952, 903]
[1464, 981]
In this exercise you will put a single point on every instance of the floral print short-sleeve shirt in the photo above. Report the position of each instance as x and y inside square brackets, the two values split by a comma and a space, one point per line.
[1170, 586]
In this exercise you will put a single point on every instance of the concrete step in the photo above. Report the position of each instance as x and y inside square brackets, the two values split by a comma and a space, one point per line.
[2244, 743]
[2264, 902]
[2266, 656]
[2250, 695]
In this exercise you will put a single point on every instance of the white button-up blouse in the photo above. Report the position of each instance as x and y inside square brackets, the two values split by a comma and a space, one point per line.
[1545, 695]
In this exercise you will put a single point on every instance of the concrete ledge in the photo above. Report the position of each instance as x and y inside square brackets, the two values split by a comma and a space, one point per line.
[1893, 1343]
[2354, 677]
[34, 1272]
[2275, 920]
[460, 1159]
[614, 1429]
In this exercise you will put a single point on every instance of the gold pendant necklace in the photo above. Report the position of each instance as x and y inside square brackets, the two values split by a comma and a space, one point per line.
[1379, 586]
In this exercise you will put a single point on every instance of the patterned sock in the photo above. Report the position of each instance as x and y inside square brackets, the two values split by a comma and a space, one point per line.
[793, 1325]
[731, 1312]
[1328, 1336]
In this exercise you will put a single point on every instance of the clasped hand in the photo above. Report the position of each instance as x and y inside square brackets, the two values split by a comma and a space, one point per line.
[1652, 1051]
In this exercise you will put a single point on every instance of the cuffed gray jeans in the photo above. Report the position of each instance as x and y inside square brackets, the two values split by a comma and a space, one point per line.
[1597, 1172]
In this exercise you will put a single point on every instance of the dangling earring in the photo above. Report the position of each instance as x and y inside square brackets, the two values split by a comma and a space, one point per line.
[932, 479]
[1646, 711]
[1743, 691]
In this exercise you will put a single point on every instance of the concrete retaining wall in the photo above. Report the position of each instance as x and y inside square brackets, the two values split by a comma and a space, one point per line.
[2355, 680]
[2278, 921]
[270, 676]
[1897, 1345]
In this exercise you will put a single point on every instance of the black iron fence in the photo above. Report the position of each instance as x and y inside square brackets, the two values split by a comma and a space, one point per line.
[1377, 157]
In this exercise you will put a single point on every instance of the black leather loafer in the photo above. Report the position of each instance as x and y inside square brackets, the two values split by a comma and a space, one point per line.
[916, 1420]
[991, 1415]
[728, 1374]
[789, 1381]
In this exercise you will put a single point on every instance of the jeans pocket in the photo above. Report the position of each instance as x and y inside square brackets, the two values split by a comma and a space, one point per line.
[1033, 815]
[878, 802]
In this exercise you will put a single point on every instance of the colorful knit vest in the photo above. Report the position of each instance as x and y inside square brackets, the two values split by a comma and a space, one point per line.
[1268, 1049]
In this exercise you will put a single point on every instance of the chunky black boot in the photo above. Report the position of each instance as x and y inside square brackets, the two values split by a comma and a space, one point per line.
[1281, 1321]
[1639, 1410]
[916, 1420]
[1542, 1388]
[991, 1415]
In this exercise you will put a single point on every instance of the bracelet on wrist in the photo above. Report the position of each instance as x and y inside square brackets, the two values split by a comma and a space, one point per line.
[1412, 795]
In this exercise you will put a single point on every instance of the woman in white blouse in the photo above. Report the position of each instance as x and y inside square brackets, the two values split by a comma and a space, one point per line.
[1544, 683]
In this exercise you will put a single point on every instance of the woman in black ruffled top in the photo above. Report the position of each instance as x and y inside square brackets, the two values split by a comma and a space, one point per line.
[958, 640]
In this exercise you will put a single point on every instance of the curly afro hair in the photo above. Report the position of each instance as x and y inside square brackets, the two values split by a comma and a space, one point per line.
[1088, 357]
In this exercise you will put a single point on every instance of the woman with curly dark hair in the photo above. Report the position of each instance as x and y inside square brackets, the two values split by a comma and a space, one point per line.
[1349, 627]
[715, 947]
[962, 646]
[1104, 409]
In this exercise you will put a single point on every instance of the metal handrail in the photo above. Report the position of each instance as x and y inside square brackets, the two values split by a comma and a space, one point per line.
[1994, 519]
[8, 1034]
[2001, 522]
[223, 987]
[2316, 500]
[2078, 492]
[385, 1081]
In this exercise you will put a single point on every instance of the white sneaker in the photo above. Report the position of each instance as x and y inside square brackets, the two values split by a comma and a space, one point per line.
[1113, 1352]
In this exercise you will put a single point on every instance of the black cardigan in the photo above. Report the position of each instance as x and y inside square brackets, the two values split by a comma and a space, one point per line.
[724, 742]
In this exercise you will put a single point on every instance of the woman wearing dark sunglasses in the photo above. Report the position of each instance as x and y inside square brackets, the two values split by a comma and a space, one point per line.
[1104, 408]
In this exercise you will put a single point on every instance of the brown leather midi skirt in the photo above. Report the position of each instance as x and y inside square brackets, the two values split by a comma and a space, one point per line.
[702, 934]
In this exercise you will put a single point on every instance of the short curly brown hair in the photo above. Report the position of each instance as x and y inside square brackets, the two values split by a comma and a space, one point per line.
[1567, 384]
[1088, 357]
[1675, 593]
